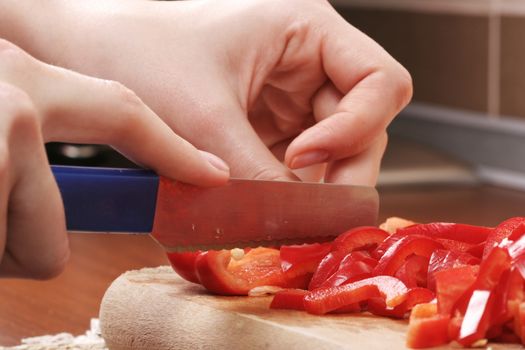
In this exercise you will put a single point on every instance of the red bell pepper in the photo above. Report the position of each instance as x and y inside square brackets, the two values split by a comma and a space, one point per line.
[184, 265]
[521, 322]
[413, 272]
[427, 327]
[291, 299]
[395, 256]
[492, 267]
[221, 274]
[512, 229]
[477, 318]
[508, 290]
[452, 231]
[304, 258]
[366, 237]
[446, 231]
[451, 285]
[442, 259]
[326, 268]
[491, 270]
[354, 266]
[323, 300]
[414, 297]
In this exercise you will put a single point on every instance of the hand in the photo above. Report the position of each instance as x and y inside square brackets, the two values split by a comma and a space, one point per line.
[41, 103]
[255, 82]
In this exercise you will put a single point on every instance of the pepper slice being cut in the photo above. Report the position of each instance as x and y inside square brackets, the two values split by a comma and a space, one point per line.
[184, 265]
[219, 273]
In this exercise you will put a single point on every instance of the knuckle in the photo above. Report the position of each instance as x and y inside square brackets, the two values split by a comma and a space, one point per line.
[129, 109]
[406, 86]
[402, 85]
[127, 97]
[18, 111]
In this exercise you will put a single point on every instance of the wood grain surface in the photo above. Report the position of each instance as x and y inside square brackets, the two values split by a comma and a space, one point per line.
[30, 308]
[184, 316]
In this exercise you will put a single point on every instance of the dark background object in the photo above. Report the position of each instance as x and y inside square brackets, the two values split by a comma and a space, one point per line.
[86, 155]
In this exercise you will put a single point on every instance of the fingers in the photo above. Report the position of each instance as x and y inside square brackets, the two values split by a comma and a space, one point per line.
[373, 88]
[81, 109]
[362, 169]
[33, 227]
[97, 111]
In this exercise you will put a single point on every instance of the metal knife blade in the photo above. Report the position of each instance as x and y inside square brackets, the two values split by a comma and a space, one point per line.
[255, 212]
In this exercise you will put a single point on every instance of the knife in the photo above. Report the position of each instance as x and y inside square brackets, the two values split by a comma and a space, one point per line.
[184, 217]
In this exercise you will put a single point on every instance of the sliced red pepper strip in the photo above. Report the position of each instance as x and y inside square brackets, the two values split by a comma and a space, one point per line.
[184, 265]
[413, 272]
[457, 246]
[304, 258]
[512, 229]
[348, 309]
[490, 272]
[442, 259]
[508, 290]
[457, 232]
[521, 322]
[221, 274]
[323, 300]
[477, 318]
[326, 268]
[477, 250]
[427, 328]
[395, 256]
[414, 297]
[492, 267]
[354, 266]
[439, 230]
[365, 237]
[451, 285]
[517, 253]
[291, 299]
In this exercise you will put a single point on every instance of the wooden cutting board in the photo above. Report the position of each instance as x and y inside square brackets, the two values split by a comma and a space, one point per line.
[155, 309]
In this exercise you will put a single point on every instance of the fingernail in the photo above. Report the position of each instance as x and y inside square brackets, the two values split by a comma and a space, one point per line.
[217, 162]
[309, 158]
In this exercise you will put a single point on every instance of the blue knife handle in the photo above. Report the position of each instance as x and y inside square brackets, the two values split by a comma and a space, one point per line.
[107, 199]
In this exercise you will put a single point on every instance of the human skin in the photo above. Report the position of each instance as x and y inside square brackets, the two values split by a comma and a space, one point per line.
[41, 103]
[269, 86]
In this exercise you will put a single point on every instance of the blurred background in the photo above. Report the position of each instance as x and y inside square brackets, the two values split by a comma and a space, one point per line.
[467, 61]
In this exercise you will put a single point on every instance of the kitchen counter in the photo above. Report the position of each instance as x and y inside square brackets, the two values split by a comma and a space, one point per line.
[66, 303]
